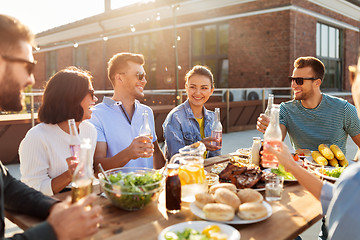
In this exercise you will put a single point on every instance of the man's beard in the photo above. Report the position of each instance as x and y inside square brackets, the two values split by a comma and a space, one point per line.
[305, 95]
[10, 93]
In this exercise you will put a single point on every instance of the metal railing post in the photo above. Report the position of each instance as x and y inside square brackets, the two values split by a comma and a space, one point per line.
[181, 97]
[227, 110]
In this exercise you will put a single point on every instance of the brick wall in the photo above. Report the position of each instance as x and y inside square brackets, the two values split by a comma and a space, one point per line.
[261, 51]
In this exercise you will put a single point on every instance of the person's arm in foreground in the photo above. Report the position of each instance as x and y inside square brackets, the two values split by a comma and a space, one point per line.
[74, 221]
[306, 179]
[20, 198]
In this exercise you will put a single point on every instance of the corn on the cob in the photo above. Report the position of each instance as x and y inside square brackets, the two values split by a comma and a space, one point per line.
[320, 159]
[326, 151]
[333, 162]
[337, 152]
[344, 163]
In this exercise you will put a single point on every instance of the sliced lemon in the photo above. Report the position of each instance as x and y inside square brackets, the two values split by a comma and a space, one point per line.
[185, 178]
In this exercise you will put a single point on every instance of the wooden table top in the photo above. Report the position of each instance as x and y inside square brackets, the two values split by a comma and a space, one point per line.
[296, 212]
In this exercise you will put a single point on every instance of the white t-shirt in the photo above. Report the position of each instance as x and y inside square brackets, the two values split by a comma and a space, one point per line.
[43, 153]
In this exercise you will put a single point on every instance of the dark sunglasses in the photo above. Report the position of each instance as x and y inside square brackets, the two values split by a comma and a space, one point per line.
[140, 75]
[92, 93]
[29, 65]
[300, 80]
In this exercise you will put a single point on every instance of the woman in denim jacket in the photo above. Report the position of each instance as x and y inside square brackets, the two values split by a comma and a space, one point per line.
[191, 121]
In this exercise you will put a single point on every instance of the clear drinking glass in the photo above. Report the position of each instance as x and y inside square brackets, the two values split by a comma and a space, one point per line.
[273, 188]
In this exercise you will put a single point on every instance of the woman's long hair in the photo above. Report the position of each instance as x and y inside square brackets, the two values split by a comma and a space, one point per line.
[63, 95]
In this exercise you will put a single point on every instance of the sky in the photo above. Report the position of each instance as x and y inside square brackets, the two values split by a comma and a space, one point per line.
[41, 15]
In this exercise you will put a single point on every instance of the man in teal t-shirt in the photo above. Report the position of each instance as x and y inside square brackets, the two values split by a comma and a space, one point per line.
[312, 117]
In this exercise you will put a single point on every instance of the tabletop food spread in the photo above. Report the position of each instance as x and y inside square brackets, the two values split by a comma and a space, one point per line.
[233, 201]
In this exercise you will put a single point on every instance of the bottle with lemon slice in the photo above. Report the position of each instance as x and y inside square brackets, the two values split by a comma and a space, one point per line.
[191, 171]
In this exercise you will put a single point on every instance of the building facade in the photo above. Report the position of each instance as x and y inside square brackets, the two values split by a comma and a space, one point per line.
[246, 43]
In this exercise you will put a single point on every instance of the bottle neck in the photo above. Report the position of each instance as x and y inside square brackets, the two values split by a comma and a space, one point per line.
[274, 119]
[84, 169]
[145, 119]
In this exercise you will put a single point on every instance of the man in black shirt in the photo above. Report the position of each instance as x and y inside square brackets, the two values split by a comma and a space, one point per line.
[64, 220]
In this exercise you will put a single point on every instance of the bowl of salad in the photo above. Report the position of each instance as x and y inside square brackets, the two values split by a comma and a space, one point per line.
[132, 188]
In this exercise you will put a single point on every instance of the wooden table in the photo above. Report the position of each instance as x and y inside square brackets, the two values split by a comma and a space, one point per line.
[296, 212]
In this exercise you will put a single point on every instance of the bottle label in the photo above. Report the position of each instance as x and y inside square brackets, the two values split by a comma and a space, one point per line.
[218, 136]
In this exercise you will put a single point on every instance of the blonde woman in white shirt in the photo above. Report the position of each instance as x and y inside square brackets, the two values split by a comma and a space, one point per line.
[44, 152]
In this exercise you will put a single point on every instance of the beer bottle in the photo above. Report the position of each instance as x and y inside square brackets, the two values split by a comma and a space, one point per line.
[216, 129]
[269, 106]
[145, 129]
[83, 175]
[74, 139]
[273, 137]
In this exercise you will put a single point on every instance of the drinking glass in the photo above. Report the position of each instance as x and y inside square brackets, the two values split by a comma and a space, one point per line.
[274, 188]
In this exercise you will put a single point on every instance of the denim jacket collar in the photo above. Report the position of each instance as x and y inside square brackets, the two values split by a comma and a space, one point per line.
[190, 114]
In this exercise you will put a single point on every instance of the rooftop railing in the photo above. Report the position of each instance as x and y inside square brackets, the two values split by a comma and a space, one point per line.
[227, 95]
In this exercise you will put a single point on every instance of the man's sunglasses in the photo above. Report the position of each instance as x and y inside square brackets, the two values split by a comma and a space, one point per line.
[140, 75]
[299, 80]
[28, 65]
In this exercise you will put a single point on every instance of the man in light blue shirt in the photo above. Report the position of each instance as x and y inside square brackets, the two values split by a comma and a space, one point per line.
[118, 119]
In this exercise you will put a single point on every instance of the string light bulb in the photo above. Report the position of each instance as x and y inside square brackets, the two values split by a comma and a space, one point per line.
[132, 28]
[76, 45]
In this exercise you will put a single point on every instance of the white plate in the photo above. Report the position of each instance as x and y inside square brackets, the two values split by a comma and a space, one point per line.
[324, 176]
[268, 170]
[232, 233]
[199, 212]
[256, 189]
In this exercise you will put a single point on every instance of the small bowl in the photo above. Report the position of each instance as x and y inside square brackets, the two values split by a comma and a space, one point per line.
[127, 197]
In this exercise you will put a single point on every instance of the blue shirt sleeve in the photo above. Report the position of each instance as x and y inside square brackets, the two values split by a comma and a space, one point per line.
[343, 219]
[326, 196]
[99, 129]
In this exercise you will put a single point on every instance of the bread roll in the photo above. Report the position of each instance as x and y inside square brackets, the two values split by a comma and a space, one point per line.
[201, 199]
[249, 195]
[252, 211]
[219, 212]
[226, 196]
[229, 186]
